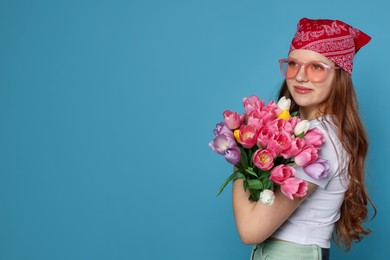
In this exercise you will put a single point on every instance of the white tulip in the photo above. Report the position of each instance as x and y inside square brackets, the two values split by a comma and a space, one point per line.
[284, 103]
[301, 127]
[267, 197]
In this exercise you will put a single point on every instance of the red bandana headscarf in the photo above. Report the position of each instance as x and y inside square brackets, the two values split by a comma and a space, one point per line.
[334, 39]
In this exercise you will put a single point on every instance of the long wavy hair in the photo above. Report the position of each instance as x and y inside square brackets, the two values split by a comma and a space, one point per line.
[343, 107]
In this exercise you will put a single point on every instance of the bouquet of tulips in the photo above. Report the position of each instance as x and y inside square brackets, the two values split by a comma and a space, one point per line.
[264, 144]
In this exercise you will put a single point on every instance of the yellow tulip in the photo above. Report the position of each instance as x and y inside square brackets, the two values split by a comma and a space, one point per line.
[237, 135]
[285, 114]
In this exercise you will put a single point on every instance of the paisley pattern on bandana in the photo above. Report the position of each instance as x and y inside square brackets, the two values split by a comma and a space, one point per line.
[334, 39]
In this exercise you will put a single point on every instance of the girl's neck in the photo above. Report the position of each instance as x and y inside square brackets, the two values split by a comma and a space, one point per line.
[309, 113]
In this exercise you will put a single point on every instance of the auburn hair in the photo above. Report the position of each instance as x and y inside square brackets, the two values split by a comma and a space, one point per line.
[342, 105]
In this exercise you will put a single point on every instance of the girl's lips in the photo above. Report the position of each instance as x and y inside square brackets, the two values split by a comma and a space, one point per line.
[302, 90]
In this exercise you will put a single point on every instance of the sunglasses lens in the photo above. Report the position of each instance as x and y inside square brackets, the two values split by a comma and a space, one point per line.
[316, 72]
[289, 69]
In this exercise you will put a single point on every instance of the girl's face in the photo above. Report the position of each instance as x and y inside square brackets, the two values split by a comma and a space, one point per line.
[309, 95]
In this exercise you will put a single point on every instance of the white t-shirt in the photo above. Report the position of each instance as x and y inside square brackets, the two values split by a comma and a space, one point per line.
[313, 221]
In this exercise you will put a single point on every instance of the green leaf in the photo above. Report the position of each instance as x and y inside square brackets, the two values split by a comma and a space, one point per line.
[294, 114]
[234, 176]
[244, 159]
[255, 184]
[251, 171]
[245, 185]
[268, 184]
[263, 177]
[255, 195]
[264, 173]
[250, 155]
[286, 161]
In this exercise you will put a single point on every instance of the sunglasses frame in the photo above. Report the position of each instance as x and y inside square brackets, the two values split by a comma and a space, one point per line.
[326, 66]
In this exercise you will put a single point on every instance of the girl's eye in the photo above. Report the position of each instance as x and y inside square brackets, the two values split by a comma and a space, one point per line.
[292, 63]
[317, 66]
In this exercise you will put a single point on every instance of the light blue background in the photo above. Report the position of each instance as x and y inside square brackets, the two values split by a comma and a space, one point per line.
[107, 108]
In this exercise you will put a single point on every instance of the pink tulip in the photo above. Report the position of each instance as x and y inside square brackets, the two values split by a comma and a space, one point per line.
[260, 118]
[252, 103]
[242, 119]
[248, 136]
[308, 155]
[314, 136]
[268, 116]
[294, 188]
[232, 119]
[265, 136]
[294, 120]
[255, 119]
[264, 159]
[272, 108]
[281, 173]
[274, 125]
[283, 125]
[280, 142]
[296, 147]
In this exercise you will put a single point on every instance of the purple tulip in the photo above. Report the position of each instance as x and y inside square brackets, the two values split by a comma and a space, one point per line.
[319, 169]
[221, 128]
[233, 155]
[222, 142]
